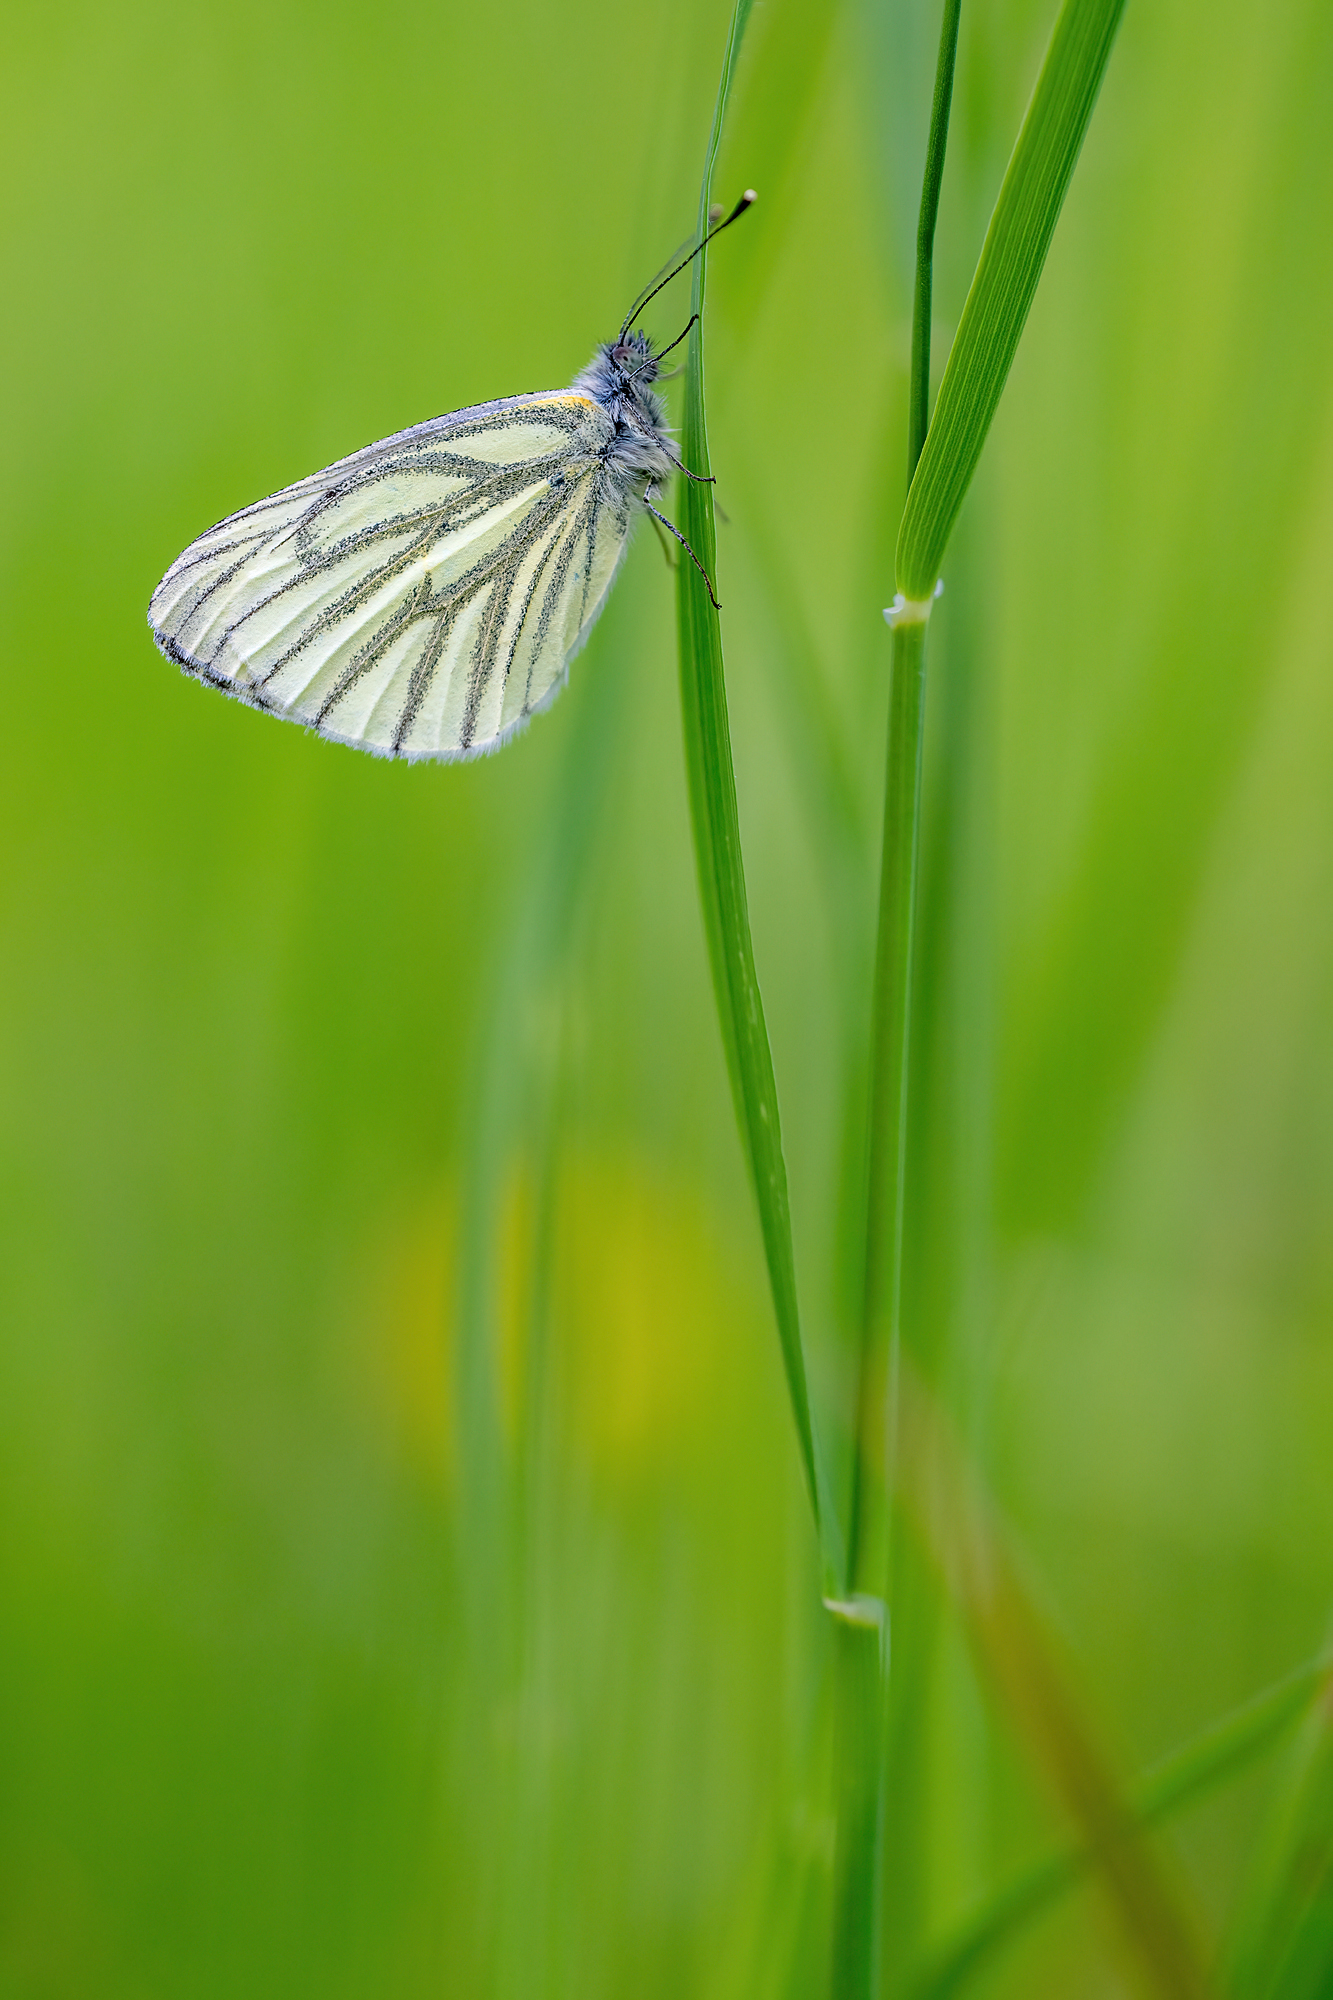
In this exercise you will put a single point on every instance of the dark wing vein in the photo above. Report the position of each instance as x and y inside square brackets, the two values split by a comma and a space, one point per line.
[534, 555]
[414, 606]
[555, 589]
[421, 677]
[443, 518]
[486, 647]
[461, 588]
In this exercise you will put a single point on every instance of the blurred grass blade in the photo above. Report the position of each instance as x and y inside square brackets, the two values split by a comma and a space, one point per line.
[513, 1075]
[1217, 1755]
[798, 54]
[958, 1528]
[1005, 283]
[717, 842]
[1283, 1945]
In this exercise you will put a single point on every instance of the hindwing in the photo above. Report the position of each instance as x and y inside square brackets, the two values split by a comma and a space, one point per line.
[420, 599]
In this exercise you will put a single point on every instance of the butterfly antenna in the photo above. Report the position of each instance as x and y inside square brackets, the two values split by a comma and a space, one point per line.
[653, 359]
[687, 243]
[747, 200]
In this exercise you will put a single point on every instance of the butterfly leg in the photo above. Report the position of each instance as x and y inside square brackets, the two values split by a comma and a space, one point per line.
[666, 546]
[704, 478]
[672, 529]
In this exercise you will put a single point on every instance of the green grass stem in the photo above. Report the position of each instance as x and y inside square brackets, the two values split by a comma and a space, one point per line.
[717, 843]
[890, 1035]
[857, 1913]
[861, 1718]
[1005, 284]
[891, 1007]
[942, 456]
[858, 1688]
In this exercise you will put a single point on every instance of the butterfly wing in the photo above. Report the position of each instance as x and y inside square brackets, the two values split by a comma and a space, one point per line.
[419, 599]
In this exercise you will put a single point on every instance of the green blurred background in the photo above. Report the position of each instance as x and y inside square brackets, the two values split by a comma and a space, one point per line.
[405, 1587]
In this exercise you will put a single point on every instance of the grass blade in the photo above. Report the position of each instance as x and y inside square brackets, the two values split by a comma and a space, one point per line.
[956, 1525]
[1005, 283]
[918, 414]
[1282, 1948]
[717, 843]
[1220, 1753]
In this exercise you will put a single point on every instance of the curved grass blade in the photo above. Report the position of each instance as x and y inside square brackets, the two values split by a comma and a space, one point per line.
[1220, 1753]
[1005, 283]
[717, 844]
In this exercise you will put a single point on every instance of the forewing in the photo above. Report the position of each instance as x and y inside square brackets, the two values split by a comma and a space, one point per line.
[420, 599]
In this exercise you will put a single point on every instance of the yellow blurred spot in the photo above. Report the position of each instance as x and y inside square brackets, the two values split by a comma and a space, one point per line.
[649, 1309]
[615, 1276]
[514, 1300]
[413, 1292]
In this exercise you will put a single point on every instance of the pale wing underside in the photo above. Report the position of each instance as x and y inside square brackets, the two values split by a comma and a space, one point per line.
[420, 599]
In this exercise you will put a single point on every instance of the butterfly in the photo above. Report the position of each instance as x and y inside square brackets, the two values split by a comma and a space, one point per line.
[424, 597]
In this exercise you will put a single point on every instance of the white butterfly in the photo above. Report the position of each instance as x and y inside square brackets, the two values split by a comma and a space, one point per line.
[425, 596]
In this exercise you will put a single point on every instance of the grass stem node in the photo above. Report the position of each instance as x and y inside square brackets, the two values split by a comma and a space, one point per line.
[911, 610]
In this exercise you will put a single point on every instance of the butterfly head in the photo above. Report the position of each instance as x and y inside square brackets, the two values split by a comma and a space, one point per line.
[619, 377]
[633, 359]
[622, 371]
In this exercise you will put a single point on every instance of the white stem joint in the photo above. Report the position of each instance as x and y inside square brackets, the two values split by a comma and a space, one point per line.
[912, 610]
[867, 1614]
